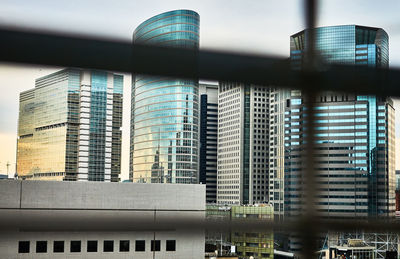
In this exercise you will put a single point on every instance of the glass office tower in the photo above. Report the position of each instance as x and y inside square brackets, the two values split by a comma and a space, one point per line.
[70, 127]
[354, 133]
[165, 111]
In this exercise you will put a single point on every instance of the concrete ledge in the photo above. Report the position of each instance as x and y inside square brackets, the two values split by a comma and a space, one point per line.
[100, 196]
[10, 194]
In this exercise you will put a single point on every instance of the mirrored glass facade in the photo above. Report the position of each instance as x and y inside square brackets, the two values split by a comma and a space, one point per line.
[165, 111]
[68, 125]
[354, 134]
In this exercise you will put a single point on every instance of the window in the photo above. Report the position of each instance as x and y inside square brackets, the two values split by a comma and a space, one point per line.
[124, 245]
[108, 246]
[140, 245]
[75, 246]
[170, 245]
[58, 247]
[155, 245]
[92, 246]
[41, 246]
[23, 247]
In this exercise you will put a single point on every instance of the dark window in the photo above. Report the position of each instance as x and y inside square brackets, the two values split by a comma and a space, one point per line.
[124, 245]
[23, 247]
[92, 246]
[171, 245]
[41, 246]
[75, 246]
[58, 247]
[155, 245]
[108, 246]
[140, 245]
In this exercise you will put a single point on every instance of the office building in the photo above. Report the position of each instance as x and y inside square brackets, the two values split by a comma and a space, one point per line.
[42, 219]
[69, 127]
[165, 111]
[243, 244]
[208, 139]
[243, 144]
[276, 163]
[256, 244]
[354, 133]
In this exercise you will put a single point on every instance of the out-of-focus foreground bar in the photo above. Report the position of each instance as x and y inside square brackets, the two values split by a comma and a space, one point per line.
[70, 51]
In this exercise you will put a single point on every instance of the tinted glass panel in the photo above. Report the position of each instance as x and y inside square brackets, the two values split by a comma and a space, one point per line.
[41, 246]
[140, 245]
[108, 246]
[23, 247]
[171, 245]
[58, 247]
[124, 245]
[75, 246]
[92, 246]
[155, 245]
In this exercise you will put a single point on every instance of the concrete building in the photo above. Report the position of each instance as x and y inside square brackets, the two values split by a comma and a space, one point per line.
[244, 244]
[165, 111]
[208, 139]
[354, 134]
[69, 127]
[256, 244]
[243, 144]
[278, 100]
[43, 219]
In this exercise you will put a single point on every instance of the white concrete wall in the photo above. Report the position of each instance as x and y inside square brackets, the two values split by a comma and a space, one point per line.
[100, 195]
[188, 245]
[64, 211]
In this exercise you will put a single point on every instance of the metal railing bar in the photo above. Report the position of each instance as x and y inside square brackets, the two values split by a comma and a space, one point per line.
[47, 49]
[125, 220]
[309, 228]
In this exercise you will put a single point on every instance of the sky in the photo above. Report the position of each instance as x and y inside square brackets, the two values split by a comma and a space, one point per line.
[252, 26]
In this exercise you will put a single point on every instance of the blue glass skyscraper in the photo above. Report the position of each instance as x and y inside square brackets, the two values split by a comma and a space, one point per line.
[165, 111]
[354, 133]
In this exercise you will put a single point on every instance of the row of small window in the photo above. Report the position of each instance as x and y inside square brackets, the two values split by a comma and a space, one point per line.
[92, 246]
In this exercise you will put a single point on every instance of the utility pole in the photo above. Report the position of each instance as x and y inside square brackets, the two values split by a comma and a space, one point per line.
[8, 166]
[220, 253]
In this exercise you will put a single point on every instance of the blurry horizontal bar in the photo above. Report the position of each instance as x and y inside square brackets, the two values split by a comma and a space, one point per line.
[164, 220]
[72, 51]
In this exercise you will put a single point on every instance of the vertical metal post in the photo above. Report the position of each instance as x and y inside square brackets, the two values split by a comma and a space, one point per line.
[309, 229]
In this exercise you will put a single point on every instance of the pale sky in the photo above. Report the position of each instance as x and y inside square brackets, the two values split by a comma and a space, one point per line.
[260, 26]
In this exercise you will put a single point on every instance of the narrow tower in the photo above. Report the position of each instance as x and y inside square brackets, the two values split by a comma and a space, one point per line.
[165, 111]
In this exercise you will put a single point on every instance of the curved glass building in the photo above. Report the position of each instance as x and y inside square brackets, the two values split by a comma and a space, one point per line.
[164, 111]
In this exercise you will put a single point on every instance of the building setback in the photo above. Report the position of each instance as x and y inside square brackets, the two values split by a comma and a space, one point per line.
[208, 139]
[69, 127]
[354, 133]
[243, 144]
[165, 111]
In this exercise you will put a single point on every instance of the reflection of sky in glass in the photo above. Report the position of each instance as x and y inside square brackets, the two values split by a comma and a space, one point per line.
[359, 128]
[165, 110]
